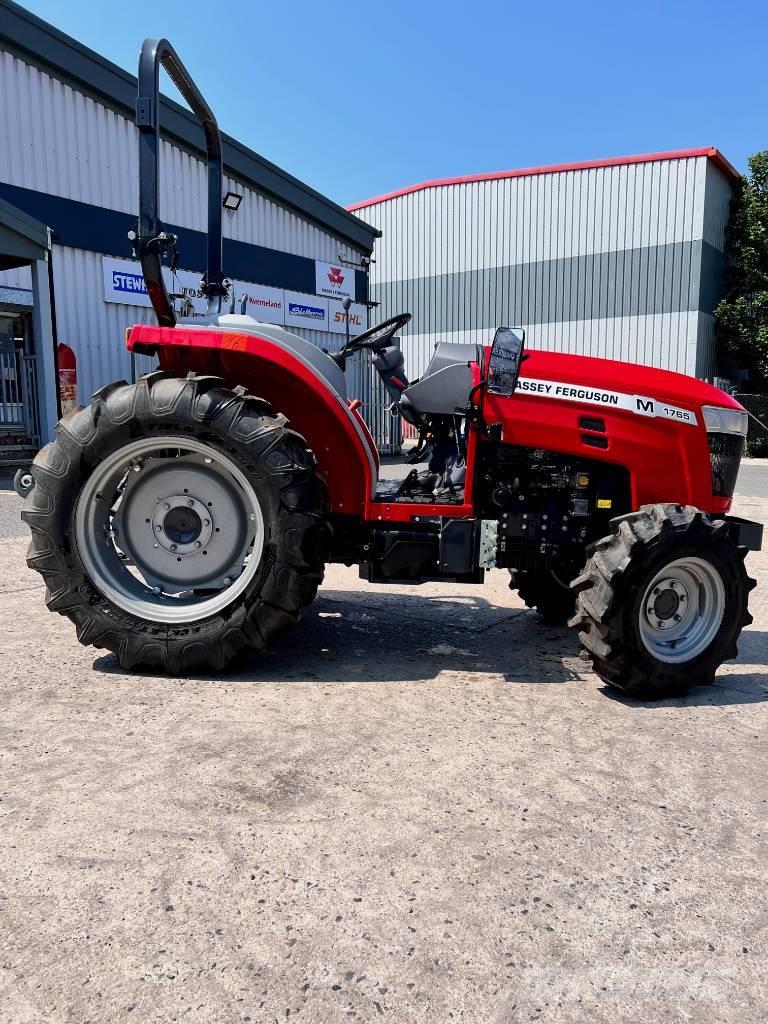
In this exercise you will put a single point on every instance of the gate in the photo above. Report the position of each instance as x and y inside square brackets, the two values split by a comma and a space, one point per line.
[19, 417]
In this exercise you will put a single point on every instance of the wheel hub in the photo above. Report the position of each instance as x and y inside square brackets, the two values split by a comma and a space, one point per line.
[182, 525]
[668, 598]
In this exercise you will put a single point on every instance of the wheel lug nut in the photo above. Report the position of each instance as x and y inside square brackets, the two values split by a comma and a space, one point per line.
[677, 618]
[166, 506]
[173, 547]
[206, 522]
[197, 543]
[227, 581]
[190, 503]
[158, 527]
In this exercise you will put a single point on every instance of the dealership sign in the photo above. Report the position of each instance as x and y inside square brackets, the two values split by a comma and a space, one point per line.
[124, 283]
[334, 280]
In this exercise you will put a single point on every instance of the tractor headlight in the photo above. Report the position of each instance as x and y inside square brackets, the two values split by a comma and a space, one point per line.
[724, 421]
[726, 437]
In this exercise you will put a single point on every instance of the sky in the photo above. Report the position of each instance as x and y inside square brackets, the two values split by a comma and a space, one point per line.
[358, 99]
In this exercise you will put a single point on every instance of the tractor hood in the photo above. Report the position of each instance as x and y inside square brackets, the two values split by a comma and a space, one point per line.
[608, 376]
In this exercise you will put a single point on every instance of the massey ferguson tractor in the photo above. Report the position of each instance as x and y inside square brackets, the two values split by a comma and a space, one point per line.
[188, 517]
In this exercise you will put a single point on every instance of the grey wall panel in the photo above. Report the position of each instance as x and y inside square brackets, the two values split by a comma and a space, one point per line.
[719, 193]
[706, 356]
[631, 282]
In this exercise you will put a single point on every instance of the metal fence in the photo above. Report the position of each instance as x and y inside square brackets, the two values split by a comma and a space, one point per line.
[365, 383]
[757, 436]
[18, 395]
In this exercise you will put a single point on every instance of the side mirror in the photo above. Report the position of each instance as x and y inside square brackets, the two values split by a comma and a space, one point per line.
[506, 356]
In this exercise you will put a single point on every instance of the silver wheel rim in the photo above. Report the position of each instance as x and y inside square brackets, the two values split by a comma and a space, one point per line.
[682, 610]
[169, 529]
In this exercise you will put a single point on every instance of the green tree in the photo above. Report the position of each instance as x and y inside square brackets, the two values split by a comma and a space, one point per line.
[742, 317]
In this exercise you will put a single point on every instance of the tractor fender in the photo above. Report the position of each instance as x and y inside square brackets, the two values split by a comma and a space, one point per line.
[295, 386]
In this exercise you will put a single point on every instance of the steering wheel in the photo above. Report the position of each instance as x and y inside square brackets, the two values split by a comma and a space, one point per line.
[376, 337]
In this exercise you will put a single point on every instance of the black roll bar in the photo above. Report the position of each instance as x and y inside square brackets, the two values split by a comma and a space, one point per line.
[152, 242]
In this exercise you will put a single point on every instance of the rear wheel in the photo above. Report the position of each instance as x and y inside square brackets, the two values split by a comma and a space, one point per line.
[177, 522]
[546, 592]
[662, 601]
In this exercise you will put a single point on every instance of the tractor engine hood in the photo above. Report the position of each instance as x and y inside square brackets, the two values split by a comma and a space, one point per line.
[608, 382]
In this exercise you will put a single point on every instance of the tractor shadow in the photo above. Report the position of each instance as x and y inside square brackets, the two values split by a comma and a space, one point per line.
[388, 638]
[379, 637]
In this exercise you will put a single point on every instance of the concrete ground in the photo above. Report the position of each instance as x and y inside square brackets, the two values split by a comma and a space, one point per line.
[420, 806]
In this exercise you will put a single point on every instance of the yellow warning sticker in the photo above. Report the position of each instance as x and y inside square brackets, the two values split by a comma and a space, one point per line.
[604, 502]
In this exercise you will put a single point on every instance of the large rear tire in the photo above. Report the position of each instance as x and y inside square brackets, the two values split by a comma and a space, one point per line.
[662, 601]
[177, 522]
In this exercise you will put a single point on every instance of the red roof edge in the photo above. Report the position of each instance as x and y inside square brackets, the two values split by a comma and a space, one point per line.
[710, 152]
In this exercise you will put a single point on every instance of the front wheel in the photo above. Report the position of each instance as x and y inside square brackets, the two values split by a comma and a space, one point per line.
[177, 522]
[662, 601]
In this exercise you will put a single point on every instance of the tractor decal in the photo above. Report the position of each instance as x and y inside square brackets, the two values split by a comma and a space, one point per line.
[637, 404]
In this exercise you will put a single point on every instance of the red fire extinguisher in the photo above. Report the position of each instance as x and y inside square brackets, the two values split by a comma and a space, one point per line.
[67, 378]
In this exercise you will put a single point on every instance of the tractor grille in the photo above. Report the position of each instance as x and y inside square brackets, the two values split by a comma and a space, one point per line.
[725, 452]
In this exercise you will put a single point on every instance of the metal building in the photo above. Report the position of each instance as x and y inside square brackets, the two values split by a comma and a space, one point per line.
[618, 258]
[69, 177]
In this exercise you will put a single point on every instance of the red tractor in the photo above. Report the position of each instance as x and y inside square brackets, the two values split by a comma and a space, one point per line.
[186, 518]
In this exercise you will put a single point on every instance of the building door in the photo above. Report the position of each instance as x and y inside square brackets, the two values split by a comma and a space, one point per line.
[19, 422]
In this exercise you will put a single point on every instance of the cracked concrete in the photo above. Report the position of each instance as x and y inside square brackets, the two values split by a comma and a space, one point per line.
[419, 806]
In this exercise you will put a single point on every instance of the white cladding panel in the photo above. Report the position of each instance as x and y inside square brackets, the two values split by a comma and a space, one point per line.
[55, 139]
[533, 218]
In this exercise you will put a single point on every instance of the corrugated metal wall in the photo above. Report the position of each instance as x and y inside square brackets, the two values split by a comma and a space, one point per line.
[604, 261]
[57, 140]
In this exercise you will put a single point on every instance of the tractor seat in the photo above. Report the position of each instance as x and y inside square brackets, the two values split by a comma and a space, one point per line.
[446, 383]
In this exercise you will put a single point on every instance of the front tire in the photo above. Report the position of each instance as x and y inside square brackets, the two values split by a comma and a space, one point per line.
[662, 601]
[177, 522]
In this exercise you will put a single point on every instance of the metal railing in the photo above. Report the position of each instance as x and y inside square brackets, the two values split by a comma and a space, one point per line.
[366, 384]
[31, 406]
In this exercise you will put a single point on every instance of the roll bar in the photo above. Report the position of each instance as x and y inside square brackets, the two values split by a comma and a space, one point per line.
[152, 241]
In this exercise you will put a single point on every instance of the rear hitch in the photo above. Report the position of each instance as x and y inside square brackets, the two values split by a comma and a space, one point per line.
[23, 482]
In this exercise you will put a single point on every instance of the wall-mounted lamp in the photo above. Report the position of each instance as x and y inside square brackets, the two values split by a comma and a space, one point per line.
[231, 202]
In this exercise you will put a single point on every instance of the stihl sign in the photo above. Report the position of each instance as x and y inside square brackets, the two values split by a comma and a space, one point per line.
[355, 320]
[334, 280]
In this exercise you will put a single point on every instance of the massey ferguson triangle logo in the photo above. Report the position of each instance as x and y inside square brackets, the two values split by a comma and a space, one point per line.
[335, 276]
